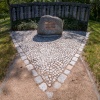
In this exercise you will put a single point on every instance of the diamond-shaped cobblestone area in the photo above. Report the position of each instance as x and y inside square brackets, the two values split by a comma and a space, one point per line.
[48, 55]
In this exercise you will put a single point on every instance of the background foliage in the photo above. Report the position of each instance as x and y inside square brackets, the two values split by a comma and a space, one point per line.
[94, 15]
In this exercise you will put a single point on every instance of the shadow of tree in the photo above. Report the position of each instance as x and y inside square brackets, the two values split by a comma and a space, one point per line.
[16, 72]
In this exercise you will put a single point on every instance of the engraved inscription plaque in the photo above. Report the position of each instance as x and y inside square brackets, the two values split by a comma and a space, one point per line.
[49, 25]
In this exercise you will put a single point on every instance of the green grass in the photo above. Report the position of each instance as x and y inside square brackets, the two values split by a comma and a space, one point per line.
[92, 49]
[7, 51]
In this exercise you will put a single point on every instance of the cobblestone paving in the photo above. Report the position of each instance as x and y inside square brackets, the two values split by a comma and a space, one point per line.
[49, 58]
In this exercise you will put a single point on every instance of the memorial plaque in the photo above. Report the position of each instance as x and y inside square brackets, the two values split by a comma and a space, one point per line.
[49, 25]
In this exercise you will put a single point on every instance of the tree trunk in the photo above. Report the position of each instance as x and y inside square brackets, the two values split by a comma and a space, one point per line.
[8, 2]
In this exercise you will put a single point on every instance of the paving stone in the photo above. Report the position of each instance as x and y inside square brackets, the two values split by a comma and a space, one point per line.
[77, 55]
[72, 63]
[49, 94]
[22, 54]
[79, 52]
[82, 45]
[43, 86]
[49, 76]
[29, 67]
[50, 79]
[74, 58]
[80, 49]
[19, 50]
[26, 62]
[54, 79]
[14, 41]
[66, 72]
[62, 78]
[57, 85]
[34, 73]
[23, 57]
[87, 35]
[69, 67]
[87, 38]
[16, 45]
[38, 79]
[49, 84]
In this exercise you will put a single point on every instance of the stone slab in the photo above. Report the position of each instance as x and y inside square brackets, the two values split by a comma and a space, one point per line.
[75, 59]
[77, 55]
[62, 78]
[43, 86]
[38, 79]
[66, 72]
[26, 62]
[57, 85]
[72, 63]
[34, 73]
[23, 57]
[49, 94]
[69, 67]
[29, 67]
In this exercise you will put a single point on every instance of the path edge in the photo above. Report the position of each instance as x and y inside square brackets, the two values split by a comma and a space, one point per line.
[91, 78]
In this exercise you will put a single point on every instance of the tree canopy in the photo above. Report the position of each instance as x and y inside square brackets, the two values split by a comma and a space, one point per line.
[95, 8]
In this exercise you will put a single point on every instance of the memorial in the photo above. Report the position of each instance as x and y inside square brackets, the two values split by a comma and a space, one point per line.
[49, 25]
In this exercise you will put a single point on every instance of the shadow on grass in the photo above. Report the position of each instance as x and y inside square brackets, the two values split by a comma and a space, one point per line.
[6, 25]
[4, 21]
[7, 52]
[14, 72]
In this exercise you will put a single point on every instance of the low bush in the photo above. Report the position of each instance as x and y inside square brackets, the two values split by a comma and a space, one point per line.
[69, 24]
[73, 24]
[27, 25]
[24, 25]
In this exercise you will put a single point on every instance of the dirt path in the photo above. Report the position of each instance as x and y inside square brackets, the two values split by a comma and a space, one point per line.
[20, 85]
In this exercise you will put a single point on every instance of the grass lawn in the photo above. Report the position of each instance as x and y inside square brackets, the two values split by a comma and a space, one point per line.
[7, 51]
[92, 50]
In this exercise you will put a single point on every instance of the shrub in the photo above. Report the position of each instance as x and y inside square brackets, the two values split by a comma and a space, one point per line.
[27, 25]
[73, 24]
[69, 24]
